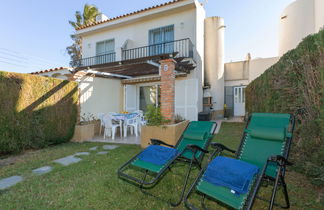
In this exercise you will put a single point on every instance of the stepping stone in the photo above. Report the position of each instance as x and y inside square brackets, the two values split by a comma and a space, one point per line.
[102, 153]
[10, 181]
[42, 170]
[68, 160]
[81, 153]
[93, 148]
[109, 147]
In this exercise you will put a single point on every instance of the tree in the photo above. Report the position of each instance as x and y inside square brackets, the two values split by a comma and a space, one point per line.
[90, 12]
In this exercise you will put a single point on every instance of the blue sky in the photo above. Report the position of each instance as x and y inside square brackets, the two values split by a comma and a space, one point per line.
[35, 33]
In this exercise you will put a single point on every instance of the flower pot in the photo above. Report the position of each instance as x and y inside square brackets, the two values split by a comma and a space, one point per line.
[170, 134]
[83, 133]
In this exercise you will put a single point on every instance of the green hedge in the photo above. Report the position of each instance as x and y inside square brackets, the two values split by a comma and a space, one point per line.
[297, 82]
[35, 111]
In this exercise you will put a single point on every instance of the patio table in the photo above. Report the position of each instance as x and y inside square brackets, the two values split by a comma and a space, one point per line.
[122, 116]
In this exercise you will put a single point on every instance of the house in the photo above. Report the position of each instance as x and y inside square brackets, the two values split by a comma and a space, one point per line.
[153, 56]
[172, 55]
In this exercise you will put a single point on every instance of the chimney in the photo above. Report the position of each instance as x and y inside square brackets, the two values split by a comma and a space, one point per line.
[101, 17]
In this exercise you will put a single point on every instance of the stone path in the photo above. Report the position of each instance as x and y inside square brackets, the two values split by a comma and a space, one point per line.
[81, 153]
[68, 160]
[65, 161]
[10, 181]
[42, 170]
[109, 147]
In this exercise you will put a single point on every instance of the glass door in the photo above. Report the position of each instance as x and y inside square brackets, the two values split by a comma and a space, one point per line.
[239, 101]
[161, 40]
[148, 95]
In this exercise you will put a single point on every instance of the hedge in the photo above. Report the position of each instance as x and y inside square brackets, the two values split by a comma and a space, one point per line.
[35, 111]
[296, 82]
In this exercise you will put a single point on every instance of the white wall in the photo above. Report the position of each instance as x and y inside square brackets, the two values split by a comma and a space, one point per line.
[214, 60]
[244, 72]
[299, 19]
[100, 95]
[138, 32]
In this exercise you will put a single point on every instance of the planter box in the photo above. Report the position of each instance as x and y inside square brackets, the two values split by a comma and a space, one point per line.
[170, 134]
[83, 133]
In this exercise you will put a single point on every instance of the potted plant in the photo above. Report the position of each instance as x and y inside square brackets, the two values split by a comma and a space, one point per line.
[159, 128]
[85, 129]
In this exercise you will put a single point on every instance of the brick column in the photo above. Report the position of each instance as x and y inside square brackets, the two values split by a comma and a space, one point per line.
[167, 88]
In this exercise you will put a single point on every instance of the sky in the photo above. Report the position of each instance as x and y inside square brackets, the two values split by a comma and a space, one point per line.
[35, 33]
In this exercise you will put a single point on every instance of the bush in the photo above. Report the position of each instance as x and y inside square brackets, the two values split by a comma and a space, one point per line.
[35, 111]
[154, 116]
[297, 82]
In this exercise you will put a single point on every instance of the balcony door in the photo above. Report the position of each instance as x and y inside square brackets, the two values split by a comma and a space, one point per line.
[105, 51]
[161, 40]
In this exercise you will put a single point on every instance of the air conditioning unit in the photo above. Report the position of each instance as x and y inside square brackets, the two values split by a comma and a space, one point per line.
[101, 18]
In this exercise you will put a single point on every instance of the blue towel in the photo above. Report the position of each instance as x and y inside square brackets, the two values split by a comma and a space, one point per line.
[231, 173]
[158, 155]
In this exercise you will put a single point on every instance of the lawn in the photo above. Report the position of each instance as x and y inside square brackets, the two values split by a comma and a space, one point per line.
[93, 182]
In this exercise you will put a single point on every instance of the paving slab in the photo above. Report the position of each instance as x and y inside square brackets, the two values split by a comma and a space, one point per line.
[42, 170]
[10, 181]
[109, 147]
[81, 153]
[93, 148]
[68, 160]
[102, 153]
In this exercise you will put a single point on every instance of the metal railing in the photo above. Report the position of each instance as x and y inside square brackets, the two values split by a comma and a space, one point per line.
[183, 47]
[99, 59]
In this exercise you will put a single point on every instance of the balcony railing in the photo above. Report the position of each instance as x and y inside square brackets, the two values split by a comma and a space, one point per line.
[99, 59]
[182, 48]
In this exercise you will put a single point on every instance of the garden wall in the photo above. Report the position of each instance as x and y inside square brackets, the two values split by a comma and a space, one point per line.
[296, 82]
[35, 111]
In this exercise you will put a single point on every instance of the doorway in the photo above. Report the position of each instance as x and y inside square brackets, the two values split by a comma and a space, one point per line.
[239, 101]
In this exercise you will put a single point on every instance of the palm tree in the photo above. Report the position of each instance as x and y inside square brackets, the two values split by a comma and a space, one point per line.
[90, 12]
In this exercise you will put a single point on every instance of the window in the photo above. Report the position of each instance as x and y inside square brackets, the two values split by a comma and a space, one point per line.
[105, 51]
[161, 40]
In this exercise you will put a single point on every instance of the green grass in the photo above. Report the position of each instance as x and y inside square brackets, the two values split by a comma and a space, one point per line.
[93, 182]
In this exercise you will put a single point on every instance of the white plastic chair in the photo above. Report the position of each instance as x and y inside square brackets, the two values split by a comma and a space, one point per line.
[140, 120]
[100, 117]
[131, 123]
[111, 126]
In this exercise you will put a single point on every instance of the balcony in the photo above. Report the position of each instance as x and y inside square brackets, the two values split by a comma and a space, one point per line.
[180, 49]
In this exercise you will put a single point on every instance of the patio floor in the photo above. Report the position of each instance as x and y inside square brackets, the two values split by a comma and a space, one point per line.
[130, 139]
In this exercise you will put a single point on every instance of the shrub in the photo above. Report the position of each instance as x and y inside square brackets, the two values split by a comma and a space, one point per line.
[154, 116]
[297, 82]
[35, 111]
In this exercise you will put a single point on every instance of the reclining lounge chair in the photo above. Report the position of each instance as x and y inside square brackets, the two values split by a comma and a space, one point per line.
[158, 158]
[263, 151]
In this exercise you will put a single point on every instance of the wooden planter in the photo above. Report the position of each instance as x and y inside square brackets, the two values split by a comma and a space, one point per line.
[83, 133]
[170, 134]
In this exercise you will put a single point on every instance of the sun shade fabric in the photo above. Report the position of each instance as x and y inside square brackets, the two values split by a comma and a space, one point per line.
[269, 133]
[195, 135]
[157, 155]
[231, 173]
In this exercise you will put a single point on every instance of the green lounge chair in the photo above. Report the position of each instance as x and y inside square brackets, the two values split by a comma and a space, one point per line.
[191, 148]
[265, 143]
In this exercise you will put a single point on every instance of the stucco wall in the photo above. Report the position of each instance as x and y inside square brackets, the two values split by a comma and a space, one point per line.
[100, 95]
[214, 60]
[138, 32]
[243, 72]
[299, 19]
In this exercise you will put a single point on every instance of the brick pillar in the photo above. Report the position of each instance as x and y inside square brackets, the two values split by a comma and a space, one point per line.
[167, 88]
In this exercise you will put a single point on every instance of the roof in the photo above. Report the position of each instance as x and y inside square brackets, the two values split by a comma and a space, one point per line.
[130, 14]
[50, 70]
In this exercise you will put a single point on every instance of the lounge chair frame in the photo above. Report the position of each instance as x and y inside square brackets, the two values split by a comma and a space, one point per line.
[143, 184]
[281, 160]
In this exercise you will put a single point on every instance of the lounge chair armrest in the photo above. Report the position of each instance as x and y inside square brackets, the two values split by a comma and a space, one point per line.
[281, 160]
[159, 142]
[221, 147]
[196, 148]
